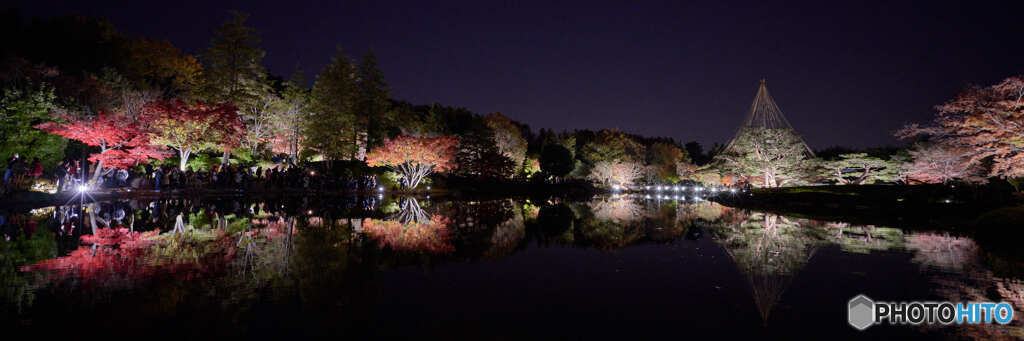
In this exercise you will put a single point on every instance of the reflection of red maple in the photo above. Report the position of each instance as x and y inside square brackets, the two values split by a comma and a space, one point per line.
[430, 236]
[115, 257]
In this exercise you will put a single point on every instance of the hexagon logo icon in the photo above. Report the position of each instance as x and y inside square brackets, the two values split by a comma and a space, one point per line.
[860, 312]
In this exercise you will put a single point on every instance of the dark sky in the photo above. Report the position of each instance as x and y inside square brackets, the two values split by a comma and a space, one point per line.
[845, 73]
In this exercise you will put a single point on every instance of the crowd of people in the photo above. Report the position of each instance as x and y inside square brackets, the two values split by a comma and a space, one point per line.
[249, 178]
[19, 170]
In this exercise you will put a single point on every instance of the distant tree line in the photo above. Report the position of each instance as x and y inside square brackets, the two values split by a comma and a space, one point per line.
[73, 85]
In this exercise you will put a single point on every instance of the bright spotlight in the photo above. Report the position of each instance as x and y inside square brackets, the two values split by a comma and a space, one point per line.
[380, 189]
[615, 187]
[83, 188]
[732, 190]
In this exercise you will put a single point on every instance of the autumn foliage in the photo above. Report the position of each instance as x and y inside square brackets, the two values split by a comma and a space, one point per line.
[123, 143]
[433, 235]
[193, 127]
[116, 257]
[984, 123]
[415, 157]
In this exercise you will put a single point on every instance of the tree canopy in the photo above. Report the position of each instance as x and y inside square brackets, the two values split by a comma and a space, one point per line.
[778, 156]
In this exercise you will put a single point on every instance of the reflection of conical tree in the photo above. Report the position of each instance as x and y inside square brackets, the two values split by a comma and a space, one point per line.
[771, 251]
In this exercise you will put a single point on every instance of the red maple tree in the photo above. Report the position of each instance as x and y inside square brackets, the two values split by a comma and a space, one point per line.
[415, 157]
[123, 142]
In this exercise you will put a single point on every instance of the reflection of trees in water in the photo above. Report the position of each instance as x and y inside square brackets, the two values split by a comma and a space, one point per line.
[411, 229]
[506, 237]
[616, 210]
[611, 223]
[942, 251]
[862, 238]
[960, 272]
[770, 250]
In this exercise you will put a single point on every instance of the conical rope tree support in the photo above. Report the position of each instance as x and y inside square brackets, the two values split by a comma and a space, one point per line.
[766, 114]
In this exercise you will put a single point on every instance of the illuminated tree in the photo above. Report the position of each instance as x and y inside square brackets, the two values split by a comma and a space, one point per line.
[479, 157]
[257, 119]
[685, 170]
[287, 115]
[777, 155]
[123, 143]
[508, 138]
[189, 128]
[664, 157]
[616, 173]
[19, 112]
[937, 163]
[859, 168]
[415, 157]
[158, 63]
[984, 123]
[612, 145]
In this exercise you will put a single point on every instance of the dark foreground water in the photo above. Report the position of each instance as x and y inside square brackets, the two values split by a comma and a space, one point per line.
[609, 268]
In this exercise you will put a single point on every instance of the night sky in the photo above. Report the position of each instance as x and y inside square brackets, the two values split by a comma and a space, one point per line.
[844, 73]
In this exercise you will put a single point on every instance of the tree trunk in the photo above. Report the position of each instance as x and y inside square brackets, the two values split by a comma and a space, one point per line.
[184, 154]
[99, 164]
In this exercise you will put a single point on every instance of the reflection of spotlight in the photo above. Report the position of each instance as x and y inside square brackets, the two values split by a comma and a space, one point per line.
[83, 188]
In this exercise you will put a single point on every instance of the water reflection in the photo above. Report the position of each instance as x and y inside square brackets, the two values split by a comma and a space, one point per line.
[225, 257]
[770, 250]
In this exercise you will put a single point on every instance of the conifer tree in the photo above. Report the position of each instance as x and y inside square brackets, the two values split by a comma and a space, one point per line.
[329, 126]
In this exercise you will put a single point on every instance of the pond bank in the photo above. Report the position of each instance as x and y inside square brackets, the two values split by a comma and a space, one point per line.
[948, 207]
